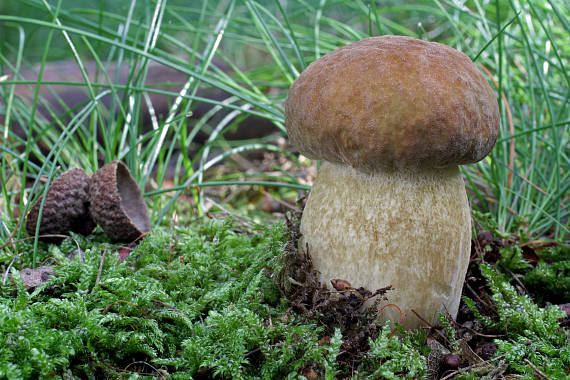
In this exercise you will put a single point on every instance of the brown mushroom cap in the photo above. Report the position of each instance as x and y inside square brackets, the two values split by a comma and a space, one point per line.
[392, 101]
[116, 203]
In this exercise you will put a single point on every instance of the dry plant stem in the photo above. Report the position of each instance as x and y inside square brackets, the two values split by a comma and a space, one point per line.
[430, 326]
[269, 318]
[100, 267]
[9, 266]
[145, 363]
[243, 221]
[536, 371]
[103, 364]
[476, 296]
[467, 352]
[281, 202]
[540, 243]
[423, 320]
[477, 365]
[491, 200]
[410, 229]
[475, 332]
[401, 319]
[516, 278]
[169, 306]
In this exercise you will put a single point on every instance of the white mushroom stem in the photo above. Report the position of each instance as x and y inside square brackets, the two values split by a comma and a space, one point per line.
[407, 228]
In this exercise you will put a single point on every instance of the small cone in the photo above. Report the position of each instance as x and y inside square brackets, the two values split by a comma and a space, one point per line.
[116, 203]
[65, 207]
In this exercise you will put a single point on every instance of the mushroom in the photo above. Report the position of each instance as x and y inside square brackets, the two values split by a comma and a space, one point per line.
[392, 117]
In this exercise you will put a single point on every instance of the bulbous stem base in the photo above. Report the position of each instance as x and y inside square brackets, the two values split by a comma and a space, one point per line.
[408, 228]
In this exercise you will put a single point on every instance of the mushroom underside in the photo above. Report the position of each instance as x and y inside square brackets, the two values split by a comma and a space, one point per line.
[408, 228]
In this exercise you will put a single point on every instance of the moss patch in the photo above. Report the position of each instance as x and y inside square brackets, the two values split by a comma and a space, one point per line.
[215, 300]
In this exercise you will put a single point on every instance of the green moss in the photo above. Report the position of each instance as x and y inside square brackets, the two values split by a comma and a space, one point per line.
[394, 358]
[534, 335]
[197, 301]
[186, 301]
[549, 280]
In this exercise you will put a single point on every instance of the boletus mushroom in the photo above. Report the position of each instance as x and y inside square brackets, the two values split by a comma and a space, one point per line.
[392, 117]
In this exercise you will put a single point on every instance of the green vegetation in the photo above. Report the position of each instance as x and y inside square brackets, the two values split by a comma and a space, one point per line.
[196, 297]
[535, 336]
[253, 51]
[201, 301]
[393, 358]
[184, 301]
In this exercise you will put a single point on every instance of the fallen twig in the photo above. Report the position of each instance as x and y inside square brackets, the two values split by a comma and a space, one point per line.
[536, 371]
[101, 266]
[473, 366]
[8, 269]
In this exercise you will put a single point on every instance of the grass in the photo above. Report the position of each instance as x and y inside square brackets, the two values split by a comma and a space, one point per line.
[521, 46]
[252, 50]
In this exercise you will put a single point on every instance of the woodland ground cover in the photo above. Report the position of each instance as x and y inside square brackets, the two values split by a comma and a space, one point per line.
[214, 291]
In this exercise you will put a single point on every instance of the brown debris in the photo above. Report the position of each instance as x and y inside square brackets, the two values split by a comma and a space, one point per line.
[436, 358]
[566, 308]
[33, 278]
[311, 373]
[299, 282]
[452, 361]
